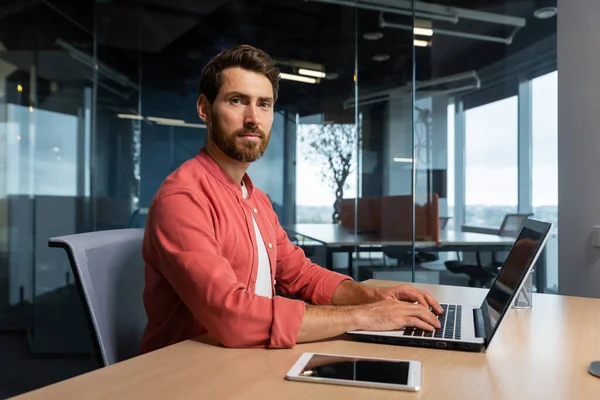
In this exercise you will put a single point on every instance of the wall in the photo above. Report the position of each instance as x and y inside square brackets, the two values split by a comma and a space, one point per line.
[578, 146]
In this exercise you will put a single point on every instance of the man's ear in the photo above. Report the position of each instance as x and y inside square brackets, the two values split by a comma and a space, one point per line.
[203, 108]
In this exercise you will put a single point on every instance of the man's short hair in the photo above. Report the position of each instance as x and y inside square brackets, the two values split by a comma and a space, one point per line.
[243, 56]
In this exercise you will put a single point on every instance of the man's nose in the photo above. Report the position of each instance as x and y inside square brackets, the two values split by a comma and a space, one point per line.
[251, 116]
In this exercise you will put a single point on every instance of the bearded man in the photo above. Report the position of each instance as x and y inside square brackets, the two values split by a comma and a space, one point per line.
[215, 252]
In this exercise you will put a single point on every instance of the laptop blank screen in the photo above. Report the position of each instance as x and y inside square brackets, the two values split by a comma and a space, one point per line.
[514, 269]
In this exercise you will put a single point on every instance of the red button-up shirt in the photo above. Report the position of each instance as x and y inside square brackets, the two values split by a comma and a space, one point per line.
[201, 263]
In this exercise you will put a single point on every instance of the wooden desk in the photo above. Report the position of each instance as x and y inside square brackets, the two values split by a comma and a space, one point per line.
[540, 353]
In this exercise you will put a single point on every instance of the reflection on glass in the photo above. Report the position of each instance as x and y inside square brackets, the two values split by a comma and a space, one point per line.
[347, 368]
[54, 152]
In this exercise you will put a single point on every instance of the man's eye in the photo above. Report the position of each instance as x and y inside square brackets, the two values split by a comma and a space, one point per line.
[236, 100]
[265, 105]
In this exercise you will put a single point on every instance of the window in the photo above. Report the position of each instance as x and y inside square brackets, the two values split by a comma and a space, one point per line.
[544, 194]
[42, 152]
[315, 193]
[491, 179]
[451, 174]
[544, 190]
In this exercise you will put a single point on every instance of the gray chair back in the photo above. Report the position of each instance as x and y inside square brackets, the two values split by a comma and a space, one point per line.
[512, 224]
[444, 222]
[109, 271]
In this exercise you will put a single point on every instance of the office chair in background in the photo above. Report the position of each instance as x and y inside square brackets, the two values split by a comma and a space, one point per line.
[482, 275]
[404, 257]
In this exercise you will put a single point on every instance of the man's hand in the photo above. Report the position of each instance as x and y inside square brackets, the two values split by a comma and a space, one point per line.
[353, 293]
[411, 294]
[369, 308]
[321, 322]
[393, 314]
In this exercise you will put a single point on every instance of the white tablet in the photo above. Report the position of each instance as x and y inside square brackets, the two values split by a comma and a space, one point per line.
[383, 373]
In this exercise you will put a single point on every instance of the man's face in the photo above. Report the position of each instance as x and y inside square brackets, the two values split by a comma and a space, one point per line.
[242, 115]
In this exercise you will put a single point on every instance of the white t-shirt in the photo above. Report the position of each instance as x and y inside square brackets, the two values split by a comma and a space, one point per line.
[263, 276]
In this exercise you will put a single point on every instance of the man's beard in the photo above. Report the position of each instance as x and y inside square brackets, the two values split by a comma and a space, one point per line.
[246, 151]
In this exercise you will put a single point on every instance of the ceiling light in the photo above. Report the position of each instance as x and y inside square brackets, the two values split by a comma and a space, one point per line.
[373, 35]
[422, 27]
[545, 12]
[423, 31]
[130, 116]
[310, 72]
[182, 124]
[403, 160]
[298, 78]
[166, 121]
[381, 57]
[421, 43]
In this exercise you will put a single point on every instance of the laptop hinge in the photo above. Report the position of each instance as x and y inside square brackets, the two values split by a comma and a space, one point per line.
[479, 323]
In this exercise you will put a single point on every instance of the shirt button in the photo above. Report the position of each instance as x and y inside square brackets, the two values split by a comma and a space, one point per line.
[270, 245]
[274, 282]
[255, 211]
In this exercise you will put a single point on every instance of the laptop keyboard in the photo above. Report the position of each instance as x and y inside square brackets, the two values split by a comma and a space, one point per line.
[450, 321]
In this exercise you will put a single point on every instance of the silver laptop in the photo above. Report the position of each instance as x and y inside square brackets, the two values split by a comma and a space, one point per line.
[468, 327]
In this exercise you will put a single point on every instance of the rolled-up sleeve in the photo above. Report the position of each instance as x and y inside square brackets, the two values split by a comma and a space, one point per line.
[298, 276]
[189, 256]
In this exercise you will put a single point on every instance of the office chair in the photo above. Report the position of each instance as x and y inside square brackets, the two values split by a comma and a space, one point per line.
[444, 222]
[403, 257]
[482, 275]
[109, 272]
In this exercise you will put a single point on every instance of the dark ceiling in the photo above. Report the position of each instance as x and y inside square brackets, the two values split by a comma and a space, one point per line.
[170, 40]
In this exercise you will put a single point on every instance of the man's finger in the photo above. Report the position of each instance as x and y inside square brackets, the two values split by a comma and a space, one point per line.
[433, 303]
[418, 323]
[419, 298]
[424, 314]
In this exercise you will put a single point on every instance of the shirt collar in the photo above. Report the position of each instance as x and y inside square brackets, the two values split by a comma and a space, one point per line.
[219, 173]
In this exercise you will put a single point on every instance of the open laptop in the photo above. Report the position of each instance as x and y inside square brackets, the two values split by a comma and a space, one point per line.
[471, 328]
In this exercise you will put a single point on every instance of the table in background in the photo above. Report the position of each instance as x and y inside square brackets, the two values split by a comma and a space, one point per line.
[338, 239]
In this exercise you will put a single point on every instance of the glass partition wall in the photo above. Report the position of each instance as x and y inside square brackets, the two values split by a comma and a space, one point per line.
[397, 122]
[483, 72]
[46, 127]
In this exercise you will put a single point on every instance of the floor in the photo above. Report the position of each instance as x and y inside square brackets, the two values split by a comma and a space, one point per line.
[57, 349]
[20, 372]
